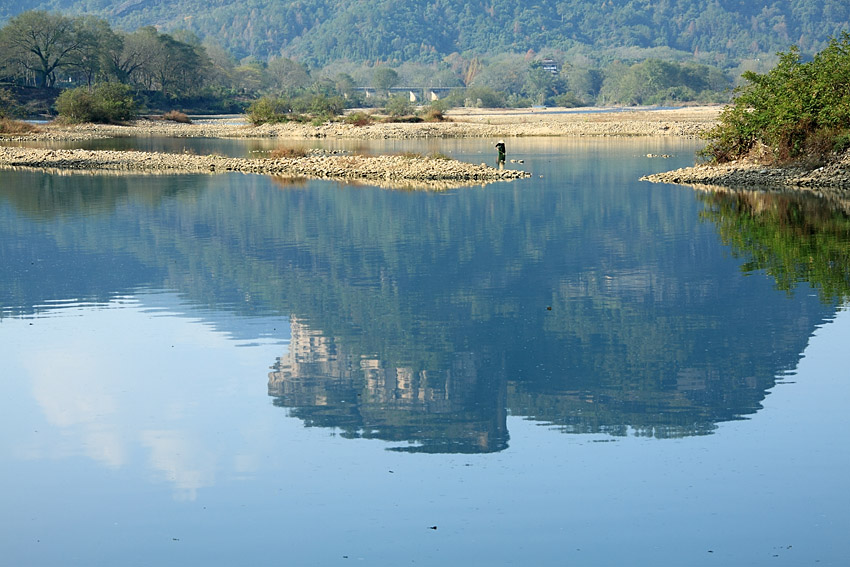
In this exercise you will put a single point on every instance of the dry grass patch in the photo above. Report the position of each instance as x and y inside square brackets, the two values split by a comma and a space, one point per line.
[176, 116]
[9, 126]
[434, 115]
[283, 153]
[359, 119]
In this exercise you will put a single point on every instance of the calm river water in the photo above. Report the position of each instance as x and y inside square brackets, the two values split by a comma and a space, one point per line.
[574, 369]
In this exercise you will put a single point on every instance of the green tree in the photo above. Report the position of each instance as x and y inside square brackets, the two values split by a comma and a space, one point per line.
[654, 81]
[41, 43]
[8, 104]
[504, 73]
[344, 84]
[222, 69]
[481, 97]
[249, 76]
[541, 86]
[269, 110]
[318, 105]
[384, 78]
[584, 83]
[158, 62]
[177, 67]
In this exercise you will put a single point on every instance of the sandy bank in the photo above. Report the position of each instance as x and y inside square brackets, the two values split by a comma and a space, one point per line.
[464, 123]
[395, 171]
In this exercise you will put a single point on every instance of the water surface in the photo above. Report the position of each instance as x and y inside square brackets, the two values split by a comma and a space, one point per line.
[577, 368]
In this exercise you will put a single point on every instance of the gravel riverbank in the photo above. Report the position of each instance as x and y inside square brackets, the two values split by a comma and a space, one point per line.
[395, 171]
[833, 177]
[462, 123]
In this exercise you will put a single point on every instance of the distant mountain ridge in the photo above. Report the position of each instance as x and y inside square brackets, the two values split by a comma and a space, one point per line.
[721, 32]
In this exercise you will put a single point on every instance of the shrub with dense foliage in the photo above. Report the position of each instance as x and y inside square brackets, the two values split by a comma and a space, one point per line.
[398, 105]
[105, 103]
[302, 108]
[797, 111]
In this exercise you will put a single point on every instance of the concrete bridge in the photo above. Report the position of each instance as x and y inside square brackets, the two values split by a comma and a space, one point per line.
[416, 94]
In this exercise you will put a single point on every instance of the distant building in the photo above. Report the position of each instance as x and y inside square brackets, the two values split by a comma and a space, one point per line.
[550, 65]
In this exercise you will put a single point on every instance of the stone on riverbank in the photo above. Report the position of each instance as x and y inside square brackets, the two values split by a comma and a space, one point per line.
[834, 176]
[393, 170]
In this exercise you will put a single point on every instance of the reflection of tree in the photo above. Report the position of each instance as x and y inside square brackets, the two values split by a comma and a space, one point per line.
[54, 256]
[793, 237]
[453, 409]
[43, 196]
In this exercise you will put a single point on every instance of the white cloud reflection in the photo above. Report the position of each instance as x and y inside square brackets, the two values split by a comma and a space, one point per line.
[185, 462]
[126, 386]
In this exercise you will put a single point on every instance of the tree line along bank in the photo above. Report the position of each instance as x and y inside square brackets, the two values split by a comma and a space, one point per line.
[45, 53]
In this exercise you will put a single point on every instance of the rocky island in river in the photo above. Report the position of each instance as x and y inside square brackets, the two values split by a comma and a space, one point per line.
[833, 176]
[420, 171]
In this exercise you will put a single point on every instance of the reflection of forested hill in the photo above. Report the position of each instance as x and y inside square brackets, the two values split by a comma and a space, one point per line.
[422, 316]
[320, 31]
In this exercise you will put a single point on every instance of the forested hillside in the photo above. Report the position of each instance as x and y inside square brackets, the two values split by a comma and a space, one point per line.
[719, 32]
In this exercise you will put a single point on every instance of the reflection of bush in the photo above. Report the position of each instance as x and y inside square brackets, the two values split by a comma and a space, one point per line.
[792, 237]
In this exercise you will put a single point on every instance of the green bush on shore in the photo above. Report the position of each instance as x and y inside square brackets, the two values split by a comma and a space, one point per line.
[797, 111]
[302, 108]
[106, 103]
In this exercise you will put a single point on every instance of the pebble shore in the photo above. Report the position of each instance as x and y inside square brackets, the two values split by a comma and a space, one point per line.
[833, 177]
[386, 170]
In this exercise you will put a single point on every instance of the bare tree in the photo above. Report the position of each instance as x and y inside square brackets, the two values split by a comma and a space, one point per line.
[287, 76]
[97, 42]
[137, 51]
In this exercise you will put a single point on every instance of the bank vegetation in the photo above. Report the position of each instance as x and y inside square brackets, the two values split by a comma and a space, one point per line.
[44, 54]
[787, 127]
